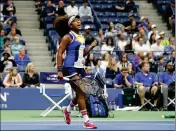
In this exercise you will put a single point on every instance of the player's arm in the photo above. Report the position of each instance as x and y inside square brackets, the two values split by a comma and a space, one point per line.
[63, 45]
[86, 51]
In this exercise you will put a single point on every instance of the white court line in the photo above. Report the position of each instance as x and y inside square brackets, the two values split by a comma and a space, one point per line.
[75, 124]
[91, 119]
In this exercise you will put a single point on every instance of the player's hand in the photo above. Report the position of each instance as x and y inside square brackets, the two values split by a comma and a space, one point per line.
[60, 75]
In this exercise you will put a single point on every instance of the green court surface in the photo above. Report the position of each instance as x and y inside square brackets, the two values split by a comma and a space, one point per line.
[34, 115]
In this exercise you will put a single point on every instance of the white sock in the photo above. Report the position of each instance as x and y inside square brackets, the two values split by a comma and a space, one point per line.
[70, 107]
[85, 116]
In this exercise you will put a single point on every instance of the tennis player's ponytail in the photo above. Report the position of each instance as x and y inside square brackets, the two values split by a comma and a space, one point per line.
[61, 25]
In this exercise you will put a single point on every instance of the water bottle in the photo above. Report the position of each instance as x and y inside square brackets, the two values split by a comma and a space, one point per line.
[114, 105]
[110, 105]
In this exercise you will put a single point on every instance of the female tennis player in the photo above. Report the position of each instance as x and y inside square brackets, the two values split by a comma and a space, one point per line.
[72, 66]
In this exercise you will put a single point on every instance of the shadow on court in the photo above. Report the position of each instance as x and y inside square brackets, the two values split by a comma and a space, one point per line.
[102, 125]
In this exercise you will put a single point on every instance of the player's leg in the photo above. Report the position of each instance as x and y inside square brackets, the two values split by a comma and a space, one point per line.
[69, 108]
[154, 90]
[81, 101]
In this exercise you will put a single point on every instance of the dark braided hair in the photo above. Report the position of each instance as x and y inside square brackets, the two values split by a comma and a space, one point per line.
[61, 25]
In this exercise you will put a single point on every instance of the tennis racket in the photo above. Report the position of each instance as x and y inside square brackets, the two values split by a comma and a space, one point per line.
[87, 84]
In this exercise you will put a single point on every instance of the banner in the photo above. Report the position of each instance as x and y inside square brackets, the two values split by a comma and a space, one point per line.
[50, 78]
[31, 99]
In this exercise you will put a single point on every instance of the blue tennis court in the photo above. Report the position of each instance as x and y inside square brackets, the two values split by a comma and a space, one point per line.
[77, 125]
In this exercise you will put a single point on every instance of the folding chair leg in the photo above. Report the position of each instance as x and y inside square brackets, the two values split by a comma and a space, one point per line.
[171, 101]
[46, 112]
[146, 102]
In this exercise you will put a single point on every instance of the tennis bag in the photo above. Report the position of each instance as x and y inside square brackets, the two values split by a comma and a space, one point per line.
[97, 106]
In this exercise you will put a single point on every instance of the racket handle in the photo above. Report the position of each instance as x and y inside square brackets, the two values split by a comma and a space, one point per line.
[65, 78]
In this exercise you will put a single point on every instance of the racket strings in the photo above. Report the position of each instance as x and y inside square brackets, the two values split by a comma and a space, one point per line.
[89, 85]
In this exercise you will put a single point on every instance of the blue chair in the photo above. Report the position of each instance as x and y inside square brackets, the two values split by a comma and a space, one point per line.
[104, 20]
[47, 29]
[96, 7]
[86, 21]
[110, 14]
[100, 14]
[97, 55]
[51, 44]
[51, 33]
[7, 26]
[114, 20]
[48, 19]
[22, 42]
[104, 27]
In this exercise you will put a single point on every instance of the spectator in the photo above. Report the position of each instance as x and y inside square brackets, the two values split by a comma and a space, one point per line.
[7, 8]
[16, 46]
[85, 10]
[111, 32]
[112, 69]
[137, 60]
[165, 80]
[135, 41]
[131, 24]
[100, 37]
[7, 50]
[14, 26]
[108, 46]
[129, 7]
[130, 69]
[49, 11]
[123, 61]
[104, 62]
[6, 63]
[141, 47]
[161, 65]
[88, 70]
[150, 25]
[90, 60]
[123, 79]
[2, 37]
[170, 14]
[121, 43]
[147, 83]
[88, 35]
[153, 30]
[157, 48]
[1, 20]
[144, 24]
[97, 68]
[60, 10]
[164, 42]
[38, 6]
[171, 47]
[143, 35]
[144, 59]
[30, 77]
[22, 59]
[152, 62]
[11, 18]
[7, 43]
[151, 41]
[72, 9]
[12, 79]
[173, 56]
[12, 35]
